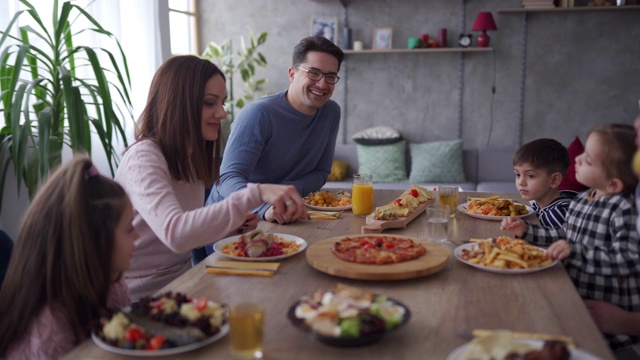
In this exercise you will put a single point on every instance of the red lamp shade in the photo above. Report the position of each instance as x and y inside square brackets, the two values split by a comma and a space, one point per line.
[484, 21]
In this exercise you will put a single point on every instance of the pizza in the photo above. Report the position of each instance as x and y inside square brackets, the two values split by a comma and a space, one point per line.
[376, 249]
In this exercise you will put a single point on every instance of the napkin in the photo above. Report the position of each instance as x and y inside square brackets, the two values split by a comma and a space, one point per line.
[525, 335]
[266, 269]
[321, 215]
[220, 271]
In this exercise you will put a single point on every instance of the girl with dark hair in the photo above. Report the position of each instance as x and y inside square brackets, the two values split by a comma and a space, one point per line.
[74, 243]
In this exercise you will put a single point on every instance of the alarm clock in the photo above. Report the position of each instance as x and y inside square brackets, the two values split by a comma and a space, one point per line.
[464, 40]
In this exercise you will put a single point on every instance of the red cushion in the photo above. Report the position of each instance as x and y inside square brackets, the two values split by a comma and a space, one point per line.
[569, 181]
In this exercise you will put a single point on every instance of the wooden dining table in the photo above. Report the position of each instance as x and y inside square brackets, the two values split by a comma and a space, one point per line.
[443, 305]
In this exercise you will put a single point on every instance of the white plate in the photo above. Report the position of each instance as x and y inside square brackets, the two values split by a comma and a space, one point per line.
[224, 330]
[329, 208]
[458, 254]
[463, 209]
[300, 241]
[576, 354]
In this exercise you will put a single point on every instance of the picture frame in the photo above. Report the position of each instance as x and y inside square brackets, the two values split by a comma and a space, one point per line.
[382, 38]
[326, 26]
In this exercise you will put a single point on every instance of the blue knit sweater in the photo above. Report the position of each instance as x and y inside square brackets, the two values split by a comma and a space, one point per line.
[272, 142]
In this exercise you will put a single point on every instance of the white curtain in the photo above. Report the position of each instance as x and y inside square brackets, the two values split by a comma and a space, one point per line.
[142, 28]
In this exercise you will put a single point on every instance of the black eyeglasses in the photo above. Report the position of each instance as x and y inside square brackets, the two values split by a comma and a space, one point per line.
[316, 75]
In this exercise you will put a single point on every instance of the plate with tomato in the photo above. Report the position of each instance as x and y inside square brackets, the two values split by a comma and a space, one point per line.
[166, 324]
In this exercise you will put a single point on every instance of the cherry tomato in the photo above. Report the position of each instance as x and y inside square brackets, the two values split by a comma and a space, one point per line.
[156, 342]
[134, 334]
[369, 246]
[389, 245]
[363, 242]
[414, 193]
[398, 201]
[158, 305]
[201, 303]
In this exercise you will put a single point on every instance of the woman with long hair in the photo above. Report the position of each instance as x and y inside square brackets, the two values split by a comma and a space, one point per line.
[166, 170]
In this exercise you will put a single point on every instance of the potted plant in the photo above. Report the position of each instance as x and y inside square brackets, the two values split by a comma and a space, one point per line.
[47, 105]
[243, 61]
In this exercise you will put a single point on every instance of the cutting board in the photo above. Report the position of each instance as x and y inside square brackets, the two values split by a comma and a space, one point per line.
[320, 257]
[376, 226]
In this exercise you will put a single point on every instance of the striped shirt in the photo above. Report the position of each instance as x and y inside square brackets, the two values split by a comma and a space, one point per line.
[604, 263]
[553, 215]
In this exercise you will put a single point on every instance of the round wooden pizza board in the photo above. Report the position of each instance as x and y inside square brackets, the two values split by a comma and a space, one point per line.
[320, 257]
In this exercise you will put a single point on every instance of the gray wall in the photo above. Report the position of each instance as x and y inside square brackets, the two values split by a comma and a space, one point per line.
[556, 74]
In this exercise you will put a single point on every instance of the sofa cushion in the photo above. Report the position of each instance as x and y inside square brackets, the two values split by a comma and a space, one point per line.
[569, 181]
[385, 162]
[438, 161]
[378, 135]
[339, 170]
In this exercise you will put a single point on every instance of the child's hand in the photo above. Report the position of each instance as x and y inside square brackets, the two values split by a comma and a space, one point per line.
[609, 318]
[559, 250]
[513, 224]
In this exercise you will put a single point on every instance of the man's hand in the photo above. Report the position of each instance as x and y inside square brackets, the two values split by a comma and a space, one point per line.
[250, 224]
[286, 204]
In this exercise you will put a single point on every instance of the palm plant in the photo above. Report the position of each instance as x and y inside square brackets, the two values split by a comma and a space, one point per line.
[45, 102]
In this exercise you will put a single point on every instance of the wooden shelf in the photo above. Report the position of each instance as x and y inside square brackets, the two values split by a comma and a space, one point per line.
[571, 9]
[415, 51]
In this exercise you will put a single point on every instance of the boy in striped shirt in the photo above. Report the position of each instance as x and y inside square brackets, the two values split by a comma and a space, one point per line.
[539, 168]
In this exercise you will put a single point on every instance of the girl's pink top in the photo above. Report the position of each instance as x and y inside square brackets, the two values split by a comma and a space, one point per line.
[50, 336]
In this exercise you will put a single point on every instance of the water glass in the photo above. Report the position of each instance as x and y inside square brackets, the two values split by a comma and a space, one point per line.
[362, 194]
[438, 223]
[448, 195]
[247, 324]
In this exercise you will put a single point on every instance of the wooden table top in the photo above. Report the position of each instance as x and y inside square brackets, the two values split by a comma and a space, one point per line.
[458, 298]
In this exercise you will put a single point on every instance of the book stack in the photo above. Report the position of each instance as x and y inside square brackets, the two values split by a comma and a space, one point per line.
[538, 4]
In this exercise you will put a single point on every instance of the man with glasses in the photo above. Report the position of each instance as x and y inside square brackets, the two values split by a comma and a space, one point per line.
[287, 138]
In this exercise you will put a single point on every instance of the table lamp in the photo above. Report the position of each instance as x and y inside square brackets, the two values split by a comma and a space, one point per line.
[484, 21]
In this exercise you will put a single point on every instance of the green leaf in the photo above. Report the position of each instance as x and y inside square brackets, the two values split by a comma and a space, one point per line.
[45, 105]
[262, 38]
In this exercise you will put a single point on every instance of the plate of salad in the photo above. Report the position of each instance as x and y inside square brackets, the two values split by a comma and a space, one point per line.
[364, 317]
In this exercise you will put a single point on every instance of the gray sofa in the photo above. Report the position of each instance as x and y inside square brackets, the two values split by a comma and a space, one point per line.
[486, 169]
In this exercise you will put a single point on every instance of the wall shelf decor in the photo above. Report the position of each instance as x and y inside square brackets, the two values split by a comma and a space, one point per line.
[571, 9]
[417, 51]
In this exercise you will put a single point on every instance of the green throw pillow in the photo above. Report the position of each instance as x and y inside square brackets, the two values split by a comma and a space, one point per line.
[385, 162]
[438, 161]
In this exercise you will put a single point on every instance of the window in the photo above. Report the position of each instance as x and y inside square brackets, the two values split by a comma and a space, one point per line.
[183, 27]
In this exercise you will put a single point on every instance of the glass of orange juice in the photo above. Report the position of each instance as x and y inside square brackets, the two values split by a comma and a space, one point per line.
[362, 194]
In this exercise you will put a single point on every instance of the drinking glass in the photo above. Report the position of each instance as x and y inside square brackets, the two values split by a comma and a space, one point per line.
[448, 195]
[247, 323]
[437, 223]
[362, 194]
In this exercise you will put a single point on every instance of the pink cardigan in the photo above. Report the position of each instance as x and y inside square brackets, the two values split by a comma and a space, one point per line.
[171, 218]
[50, 336]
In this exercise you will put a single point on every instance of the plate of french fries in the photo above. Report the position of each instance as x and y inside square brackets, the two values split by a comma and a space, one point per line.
[504, 255]
[494, 208]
